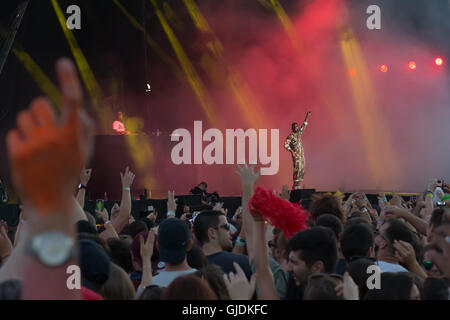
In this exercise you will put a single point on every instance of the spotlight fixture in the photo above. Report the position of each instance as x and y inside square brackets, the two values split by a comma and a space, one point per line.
[412, 65]
[148, 88]
[384, 68]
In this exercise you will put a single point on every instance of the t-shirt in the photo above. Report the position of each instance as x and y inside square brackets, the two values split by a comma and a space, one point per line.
[279, 276]
[225, 261]
[390, 267]
[165, 278]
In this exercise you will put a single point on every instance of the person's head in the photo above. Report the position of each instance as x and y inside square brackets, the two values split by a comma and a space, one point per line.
[322, 287]
[152, 292]
[211, 227]
[294, 127]
[430, 268]
[312, 251]
[325, 204]
[135, 251]
[395, 286]
[357, 240]
[119, 115]
[280, 247]
[118, 286]
[119, 253]
[202, 186]
[11, 290]
[97, 239]
[174, 240]
[332, 222]
[84, 226]
[94, 264]
[435, 289]
[435, 221]
[213, 274]
[357, 268]
[189, 287]
[196, 259]
[391, 230]
[137, 227]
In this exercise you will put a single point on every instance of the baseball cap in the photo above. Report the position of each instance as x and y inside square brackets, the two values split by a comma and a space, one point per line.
[173, 238]
[94, 263]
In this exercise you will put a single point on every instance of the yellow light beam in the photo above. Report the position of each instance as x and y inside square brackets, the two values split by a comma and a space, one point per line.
[152, 43]
[191, 74]
[40, 78]
[242, 93]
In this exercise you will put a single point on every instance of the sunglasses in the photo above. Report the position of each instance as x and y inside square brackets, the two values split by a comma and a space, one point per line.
[334, 277]
[224, 226]
[428, 265]
[354, 258]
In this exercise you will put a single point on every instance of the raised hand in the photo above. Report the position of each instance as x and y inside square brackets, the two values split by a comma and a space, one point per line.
[285, 193]
[404, 252]
[147, 246]
[103, 214]
[247, 174]
[348, 289]
[239, 288]
[85, 176]
[46, 152]
[171, 202]
[127, 178]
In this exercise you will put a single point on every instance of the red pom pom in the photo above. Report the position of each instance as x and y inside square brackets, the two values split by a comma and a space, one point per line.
[287, 216]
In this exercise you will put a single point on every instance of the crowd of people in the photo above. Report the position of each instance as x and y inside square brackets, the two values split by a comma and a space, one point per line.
[351, 249]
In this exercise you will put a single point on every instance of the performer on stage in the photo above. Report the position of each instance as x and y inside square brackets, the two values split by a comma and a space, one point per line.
[118, 126]
[294, 145]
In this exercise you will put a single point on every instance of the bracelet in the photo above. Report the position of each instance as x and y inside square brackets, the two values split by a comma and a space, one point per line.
[240, 242]
[108, 224]
[170, 213]
[127, 189]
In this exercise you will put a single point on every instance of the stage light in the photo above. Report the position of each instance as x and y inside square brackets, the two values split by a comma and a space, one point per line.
[352, 72]
[439, 61]
[412, 65]
[384, 68]
[148, 88]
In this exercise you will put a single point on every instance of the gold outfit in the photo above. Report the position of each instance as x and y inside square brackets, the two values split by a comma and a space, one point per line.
[294, 145]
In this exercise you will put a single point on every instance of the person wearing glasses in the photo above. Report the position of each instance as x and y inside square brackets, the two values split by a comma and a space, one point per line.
[212, 231]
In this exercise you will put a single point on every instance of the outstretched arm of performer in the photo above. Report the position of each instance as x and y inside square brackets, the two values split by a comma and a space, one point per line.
[305, 123]
[287, 144]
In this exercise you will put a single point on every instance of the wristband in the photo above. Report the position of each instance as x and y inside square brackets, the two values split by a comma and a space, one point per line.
[126, 189]
[170, 214]
[240, 242]
[108, 224]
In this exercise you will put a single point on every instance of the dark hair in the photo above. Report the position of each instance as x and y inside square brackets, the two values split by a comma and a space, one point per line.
[196, 259]
[96, 238]
[322, 204]
[118, 286]
[398, 230]
[137, 227]
[120, 253]
[356, 240]
[358, 271]
[205, 220]
[292, 125]
[11, 290]
[203, 183]
[189, 287]
[213, 274]
[317, 243]
[152, 292]
[435, 289]
[321, 289]
[332, 222]
[393, 286]
[84, 226]
[436, 217]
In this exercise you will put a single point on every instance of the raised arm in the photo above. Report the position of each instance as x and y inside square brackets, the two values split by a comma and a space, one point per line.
[85, 175]
[305, 123]
[45, 148]
[121, 220]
